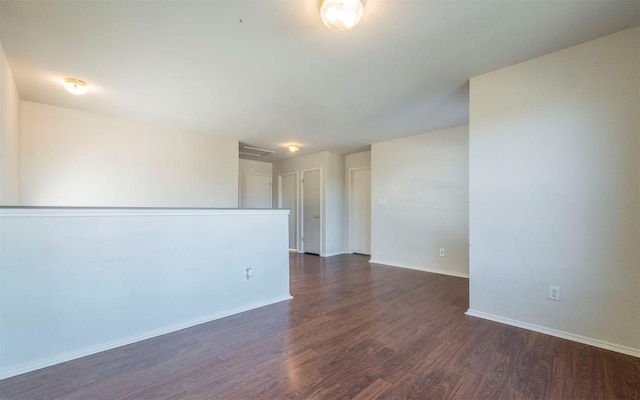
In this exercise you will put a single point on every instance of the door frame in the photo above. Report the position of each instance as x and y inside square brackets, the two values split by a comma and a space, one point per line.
[322, 252]
[350, 224]
[244, 194]
[298, 208]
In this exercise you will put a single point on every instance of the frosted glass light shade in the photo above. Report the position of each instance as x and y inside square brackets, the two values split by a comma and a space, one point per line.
[341, 15]
[76, 86]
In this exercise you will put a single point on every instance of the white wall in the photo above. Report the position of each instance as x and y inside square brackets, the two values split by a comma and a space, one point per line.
[77, 281]
[424, 180]
[256, 167]
[252, 167]
[555, 193]
[9, 135]
[332, 166]
[76, 158]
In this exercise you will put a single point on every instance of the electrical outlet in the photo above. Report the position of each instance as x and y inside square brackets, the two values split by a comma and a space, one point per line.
[442, 253]
[554, 293]
[249, 274]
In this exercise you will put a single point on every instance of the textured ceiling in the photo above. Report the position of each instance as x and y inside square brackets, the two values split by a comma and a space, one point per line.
[268, 73]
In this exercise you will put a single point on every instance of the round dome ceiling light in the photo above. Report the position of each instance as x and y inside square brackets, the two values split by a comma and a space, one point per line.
[294, 148]
[341, 15]
[76, 86]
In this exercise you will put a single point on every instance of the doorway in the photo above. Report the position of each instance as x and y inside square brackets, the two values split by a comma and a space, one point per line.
[360, 210]
[311, 211]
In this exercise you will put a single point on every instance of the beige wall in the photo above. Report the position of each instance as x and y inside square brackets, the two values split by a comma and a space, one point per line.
[357, 160]
[555, 193]
[424, 181]
[76, 158]
[9, 136]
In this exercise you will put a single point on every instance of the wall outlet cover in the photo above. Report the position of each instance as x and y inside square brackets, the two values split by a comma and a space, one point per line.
[554, 292]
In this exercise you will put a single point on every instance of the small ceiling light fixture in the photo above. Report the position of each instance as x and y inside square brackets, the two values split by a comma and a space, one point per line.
[341, 15]
[294, 148]
[76, 86]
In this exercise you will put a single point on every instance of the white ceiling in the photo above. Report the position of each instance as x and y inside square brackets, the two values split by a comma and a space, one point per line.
[268, 73]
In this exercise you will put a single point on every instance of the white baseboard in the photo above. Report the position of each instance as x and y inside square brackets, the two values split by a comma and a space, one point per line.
[435, 271]
[333, 254]
[72, 355]
[553, 332]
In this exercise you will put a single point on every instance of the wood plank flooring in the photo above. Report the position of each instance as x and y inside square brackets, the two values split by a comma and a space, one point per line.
[353, 331]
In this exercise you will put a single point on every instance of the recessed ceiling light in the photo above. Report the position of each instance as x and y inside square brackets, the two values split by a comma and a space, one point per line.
[293, 148]
[76, 86]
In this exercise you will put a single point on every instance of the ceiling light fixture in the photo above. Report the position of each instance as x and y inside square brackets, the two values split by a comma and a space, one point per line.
[341, 15]
[76, 86]
[294, 148]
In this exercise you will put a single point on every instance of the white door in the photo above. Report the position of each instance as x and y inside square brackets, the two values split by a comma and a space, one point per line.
[257, 191]
[311, 217]
[289, 199]
[360, 211]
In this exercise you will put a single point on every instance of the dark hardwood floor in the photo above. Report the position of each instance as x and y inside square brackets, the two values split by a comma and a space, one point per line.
[353, 331]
